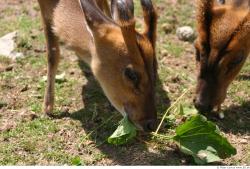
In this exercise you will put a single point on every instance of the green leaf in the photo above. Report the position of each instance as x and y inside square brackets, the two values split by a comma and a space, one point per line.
[189, 111]
[208, 156]
[124, 133]
[202, 140]
[76, 161]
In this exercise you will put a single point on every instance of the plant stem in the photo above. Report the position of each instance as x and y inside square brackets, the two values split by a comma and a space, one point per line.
[163, 136]
[168, 110]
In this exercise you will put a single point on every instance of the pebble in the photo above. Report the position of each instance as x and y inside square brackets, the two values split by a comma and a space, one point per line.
[28, 116]
[185, 33]
[168, 28]
[244, 141]
[8, 46]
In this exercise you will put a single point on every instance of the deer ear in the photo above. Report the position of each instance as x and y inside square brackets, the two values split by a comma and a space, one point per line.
[123, 14]
[104, 5]
[150, 20]
[96, 21]
[204, 19]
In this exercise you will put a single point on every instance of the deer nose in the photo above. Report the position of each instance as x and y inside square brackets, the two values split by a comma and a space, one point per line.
[149, 125]
[202, 107]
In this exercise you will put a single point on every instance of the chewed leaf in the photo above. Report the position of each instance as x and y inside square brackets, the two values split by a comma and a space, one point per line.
[209, 155]
[202, 139]
[124, 133]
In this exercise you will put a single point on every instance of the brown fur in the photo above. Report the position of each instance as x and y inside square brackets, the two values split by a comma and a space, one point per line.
[222, 47]
[104, 44]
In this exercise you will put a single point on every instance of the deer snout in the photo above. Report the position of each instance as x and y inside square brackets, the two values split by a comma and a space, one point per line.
[144, 120]
[202, 106]
[149, 125]
[146, 125]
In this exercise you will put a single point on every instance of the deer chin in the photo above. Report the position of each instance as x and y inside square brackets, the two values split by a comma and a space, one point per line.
[128, 112]
[124, 109]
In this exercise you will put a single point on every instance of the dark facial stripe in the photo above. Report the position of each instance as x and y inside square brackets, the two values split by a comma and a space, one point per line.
[150, 17]
[147, 5]
[151, 68]
[206, 12]
[152, 28]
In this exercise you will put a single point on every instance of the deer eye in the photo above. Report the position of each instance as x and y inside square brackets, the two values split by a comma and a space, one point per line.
[132, 75]
[235, 62]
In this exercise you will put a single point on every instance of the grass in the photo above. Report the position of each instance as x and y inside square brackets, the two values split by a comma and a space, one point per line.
[79, 138]
[173, 49]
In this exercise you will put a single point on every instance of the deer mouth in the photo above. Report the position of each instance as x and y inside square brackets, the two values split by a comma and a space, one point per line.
[216, 112]
[128, 112]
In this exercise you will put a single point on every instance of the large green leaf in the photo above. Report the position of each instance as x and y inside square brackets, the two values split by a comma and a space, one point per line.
[202, 139]
[124, 133]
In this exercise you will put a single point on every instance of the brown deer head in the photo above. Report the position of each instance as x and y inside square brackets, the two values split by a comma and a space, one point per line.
[222, 47]
[123, 60]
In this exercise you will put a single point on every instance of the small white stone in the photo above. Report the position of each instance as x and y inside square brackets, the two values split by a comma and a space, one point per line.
[185, 33]
[8, 44]
[244, 141]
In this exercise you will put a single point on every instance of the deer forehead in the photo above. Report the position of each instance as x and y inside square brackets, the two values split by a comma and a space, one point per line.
[224, 24]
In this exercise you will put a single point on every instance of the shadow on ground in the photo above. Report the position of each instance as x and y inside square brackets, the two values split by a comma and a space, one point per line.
[236, 119]
[99, 118]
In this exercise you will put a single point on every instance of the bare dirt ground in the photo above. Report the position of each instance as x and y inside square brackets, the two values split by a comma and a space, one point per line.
[28, 137]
